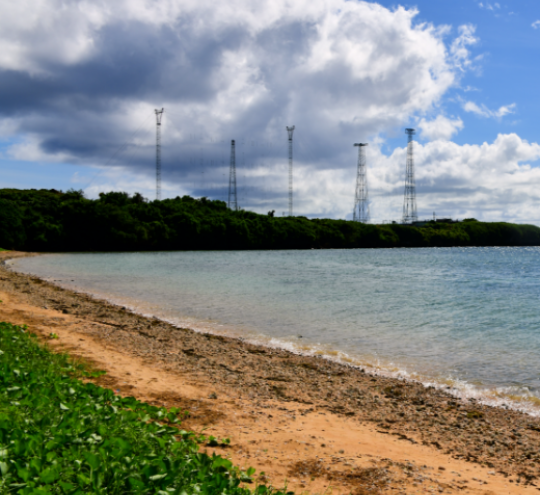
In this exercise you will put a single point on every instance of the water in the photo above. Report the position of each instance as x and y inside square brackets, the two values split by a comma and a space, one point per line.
[464, 317]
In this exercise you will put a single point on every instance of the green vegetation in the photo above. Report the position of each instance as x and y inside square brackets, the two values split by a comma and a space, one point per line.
[59, 435]
[54, 221]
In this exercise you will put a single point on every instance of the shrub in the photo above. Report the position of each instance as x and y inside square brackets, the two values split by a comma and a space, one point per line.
[60, 435]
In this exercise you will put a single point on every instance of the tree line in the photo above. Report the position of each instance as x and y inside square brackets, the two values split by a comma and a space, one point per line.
[56, 221]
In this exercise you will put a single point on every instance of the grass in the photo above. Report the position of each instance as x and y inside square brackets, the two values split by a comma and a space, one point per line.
[62, 435]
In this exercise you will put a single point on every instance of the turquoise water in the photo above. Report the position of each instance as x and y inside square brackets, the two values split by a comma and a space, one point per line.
[464, 317]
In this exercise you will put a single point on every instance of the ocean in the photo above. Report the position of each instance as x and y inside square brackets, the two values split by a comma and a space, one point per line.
[464, 318]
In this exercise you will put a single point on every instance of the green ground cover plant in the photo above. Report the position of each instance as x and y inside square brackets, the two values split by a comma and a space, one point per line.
[50, 220]
[60, 434]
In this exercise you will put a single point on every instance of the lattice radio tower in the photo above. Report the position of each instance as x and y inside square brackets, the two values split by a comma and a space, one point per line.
[159, 115]
[233, 200]
[409, 204]
[361, 205]
[290, 133]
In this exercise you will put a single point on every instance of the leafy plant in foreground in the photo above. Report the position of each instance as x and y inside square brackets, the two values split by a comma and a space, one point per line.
[59, 435]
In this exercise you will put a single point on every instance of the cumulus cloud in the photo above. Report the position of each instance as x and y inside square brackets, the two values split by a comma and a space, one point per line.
[76, 74]
[37, 33]
[492, 181]
[79, 81]
[440, 128]
[483, 111]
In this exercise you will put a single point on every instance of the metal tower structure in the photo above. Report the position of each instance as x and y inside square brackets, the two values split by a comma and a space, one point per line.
[233, 200]
[409, 203]
[290, 133]
[361, 205]
[159, 115]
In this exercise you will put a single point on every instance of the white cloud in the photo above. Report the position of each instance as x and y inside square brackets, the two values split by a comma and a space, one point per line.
[483, 111]
[340, 71]
[441, 128]
[29, 149]
[114, 178]
[489, 5]
[459, 47]
[36, 31]
[335, 68]
[536, 24]
[363, 44]
[492, 181]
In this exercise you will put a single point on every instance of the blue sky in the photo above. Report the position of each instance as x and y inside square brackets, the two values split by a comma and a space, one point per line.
[79, 84]
[506, 72]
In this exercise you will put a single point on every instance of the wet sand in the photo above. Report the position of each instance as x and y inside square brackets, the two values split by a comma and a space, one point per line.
[309, 424]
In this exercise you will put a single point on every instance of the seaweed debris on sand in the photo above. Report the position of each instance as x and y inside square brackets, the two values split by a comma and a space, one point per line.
[304, 421]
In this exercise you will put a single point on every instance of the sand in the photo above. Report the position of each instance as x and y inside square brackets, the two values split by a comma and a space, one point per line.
[308, 424]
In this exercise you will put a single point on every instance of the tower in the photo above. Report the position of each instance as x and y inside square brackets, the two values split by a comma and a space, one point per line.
[233, 201]
[409, 203]
[361, 205]
[290, 133]
[159, 115]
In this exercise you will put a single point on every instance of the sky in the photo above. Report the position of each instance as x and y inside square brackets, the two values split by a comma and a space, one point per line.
[80, 81]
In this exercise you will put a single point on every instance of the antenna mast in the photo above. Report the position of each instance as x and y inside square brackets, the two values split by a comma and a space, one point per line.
[159, 115]
[361, 205]
[233, 200]
[290, 133]
[409, 204]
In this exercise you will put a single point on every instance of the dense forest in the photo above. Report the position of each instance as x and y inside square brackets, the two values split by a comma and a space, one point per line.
[50, 220]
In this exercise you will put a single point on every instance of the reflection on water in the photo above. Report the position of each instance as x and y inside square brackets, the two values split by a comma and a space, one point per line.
[464, 316]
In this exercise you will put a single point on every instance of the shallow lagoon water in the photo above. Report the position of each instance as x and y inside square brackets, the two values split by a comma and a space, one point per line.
[468, 317]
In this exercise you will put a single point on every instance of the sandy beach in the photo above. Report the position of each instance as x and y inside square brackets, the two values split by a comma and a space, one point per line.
[305, 422]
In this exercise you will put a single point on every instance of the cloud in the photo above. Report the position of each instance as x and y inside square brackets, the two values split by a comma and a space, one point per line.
[459, 48]
[489, 5]
[35, 33]
[492, 181]
[536, 24]
[483, 111]
[79, 82]
[441, 128]
[76, 75]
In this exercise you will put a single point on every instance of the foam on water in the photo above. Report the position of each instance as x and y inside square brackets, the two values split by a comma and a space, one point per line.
[464, 319]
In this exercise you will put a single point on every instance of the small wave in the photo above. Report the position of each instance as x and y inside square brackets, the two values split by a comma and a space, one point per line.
[509, 397]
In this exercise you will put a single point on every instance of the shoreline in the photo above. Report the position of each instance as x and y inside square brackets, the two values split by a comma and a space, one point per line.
[424, 422]
[517, 399]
